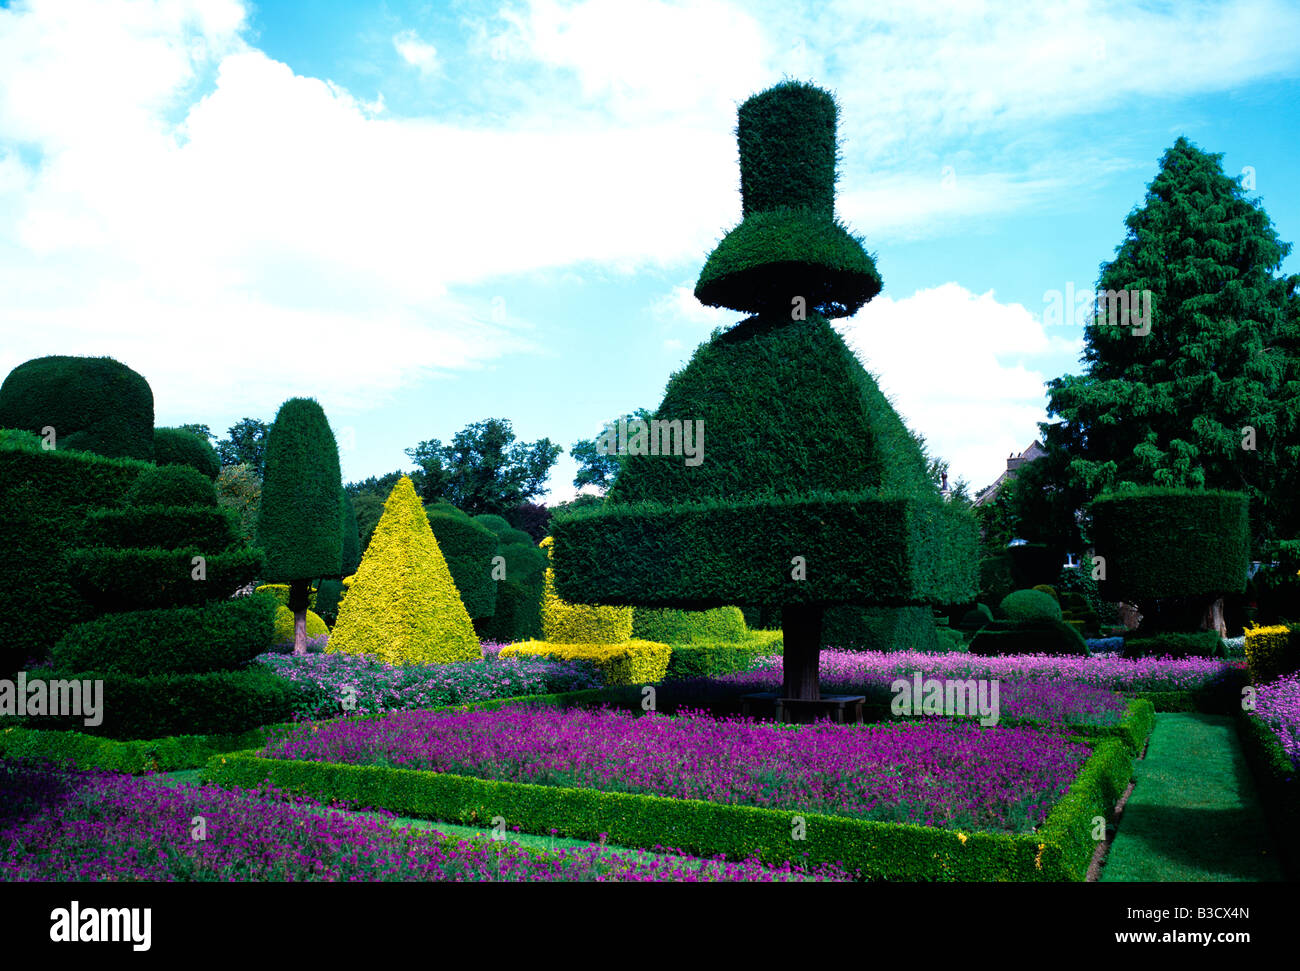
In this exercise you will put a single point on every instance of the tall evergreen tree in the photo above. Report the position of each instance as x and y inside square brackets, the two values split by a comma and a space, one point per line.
[1210, 395]
[300, 521]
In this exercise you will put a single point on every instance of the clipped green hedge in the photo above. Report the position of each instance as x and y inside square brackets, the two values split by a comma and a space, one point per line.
[163, 527]
[224, 635]
[856, 628]
[134, 757]
[210, 703]
[176, 446]
[44, 499]
[670, 626]
[711, 659]
[140, 579]
[468, 548]
[1174, 644]
[94, 404]
[1278, 782]
[172, 485]
[1060, 850]
[1042, 637]
[1159, 542]
[1029, 606]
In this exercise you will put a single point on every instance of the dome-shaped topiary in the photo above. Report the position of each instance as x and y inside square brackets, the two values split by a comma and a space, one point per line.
[284, 625]
[1048, 589]
[94, 404]
[669, 626]
[176, 446]
[172, 485]
[493, 522]
[468, 547]
[1028, 606]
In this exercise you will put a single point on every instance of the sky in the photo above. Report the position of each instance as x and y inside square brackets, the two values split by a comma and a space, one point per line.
[428, 214]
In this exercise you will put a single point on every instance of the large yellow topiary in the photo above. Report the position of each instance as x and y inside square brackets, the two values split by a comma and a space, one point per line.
[402, 605]
[1271, 652]
[631, 662]
[566, 623]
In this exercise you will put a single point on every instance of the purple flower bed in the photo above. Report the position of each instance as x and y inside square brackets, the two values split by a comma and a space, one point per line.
[845, 670]
[1277, 705]
[936, 773]
[368, 686]
[63, 825]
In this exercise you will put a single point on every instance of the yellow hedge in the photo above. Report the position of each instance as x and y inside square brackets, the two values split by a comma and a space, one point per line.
[631, 662]
[1271, 652]
[566, 623]
[284, 624]
[402, 605]
[281, 593]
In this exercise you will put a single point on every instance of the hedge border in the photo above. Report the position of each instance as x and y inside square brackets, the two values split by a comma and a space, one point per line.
[170, 754]
[1278, 783]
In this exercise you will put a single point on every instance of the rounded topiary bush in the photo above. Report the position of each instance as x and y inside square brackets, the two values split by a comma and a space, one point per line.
[668, 626]
[94, 404]
[172, 485]
[493, 522]
[284, 625]
[176, 446]
[1048, 589]
[1028, 606]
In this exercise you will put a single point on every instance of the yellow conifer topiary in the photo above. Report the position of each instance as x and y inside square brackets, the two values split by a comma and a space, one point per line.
[566, 623]
[402, 605]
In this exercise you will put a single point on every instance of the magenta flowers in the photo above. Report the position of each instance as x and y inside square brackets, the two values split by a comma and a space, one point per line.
[936, 773]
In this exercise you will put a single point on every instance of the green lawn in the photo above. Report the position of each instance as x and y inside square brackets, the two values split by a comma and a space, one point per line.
[1194, 814]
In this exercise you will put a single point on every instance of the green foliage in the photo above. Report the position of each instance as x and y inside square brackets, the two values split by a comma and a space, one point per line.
[240, 490]
[1272, 652]
[598, 464]
[172, 485]
[976, 617]
[94, 404]
[284, 631]
[402, 606]
[160, 705]
[141, 579]
[176, 446]
[880, 629]
[493, 522]
[518, 613]
[484, 469]
[45, 497]
[570, 623]
[224, 635]
[169, 754]
[299, 521]
[1163, 542]
[171, 527]
[351, 551]
[1168, 408]
[280, 591]
[1048, 589]
[712, 659]
[1060, 850]
[1034, 637]
[1174, 644]
[722, 624]
[245, 444]
[1025, 606]
[368, 509]
[626, 662]
[532, 518]
[468, 547]
[328, 595]
[949, 640]
[996, 580]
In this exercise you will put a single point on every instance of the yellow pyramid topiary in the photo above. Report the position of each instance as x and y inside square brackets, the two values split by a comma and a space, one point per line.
[402, 605]
[566, 623]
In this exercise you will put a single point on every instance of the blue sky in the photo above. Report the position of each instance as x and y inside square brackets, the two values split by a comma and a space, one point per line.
[427, 214]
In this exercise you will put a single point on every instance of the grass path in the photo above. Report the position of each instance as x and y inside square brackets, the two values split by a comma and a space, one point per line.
[1194, 814]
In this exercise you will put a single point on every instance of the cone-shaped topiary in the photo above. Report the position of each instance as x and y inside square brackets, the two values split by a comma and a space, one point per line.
[94, 404]
[811, 492]
[176, 446]
[402, 605]
[300, 520]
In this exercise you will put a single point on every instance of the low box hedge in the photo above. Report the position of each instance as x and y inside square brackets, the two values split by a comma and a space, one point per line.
[1205, 643]
[169, 754]
[1060, 850]
[1279, 786]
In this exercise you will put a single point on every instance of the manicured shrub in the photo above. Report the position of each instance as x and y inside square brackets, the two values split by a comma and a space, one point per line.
[351, 552]
[880, 629]
[1039, 637]
[1177, 543]
[401, 605]
[711, 659]
[219, 636]
[280, 591]
[995, 579]
[44, 499]
[170, 754]
[160, 705]
[628, 662]
[493, 522]
[94, 404]
[949, 639]
[533, 518]
[328, 593]
[1272, 652]
[172, 485]
[284, 625]
[176, 446]
[1030, 606]
[976, 617]
[468, 547]
[186, 527]
[515, 537]
[566, 623]
[1174, 644]
[138, 579]
[1048, 589]
[685, 626]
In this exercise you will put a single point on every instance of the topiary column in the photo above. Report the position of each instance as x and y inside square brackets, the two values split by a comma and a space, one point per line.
[809, 492]
[300, 520]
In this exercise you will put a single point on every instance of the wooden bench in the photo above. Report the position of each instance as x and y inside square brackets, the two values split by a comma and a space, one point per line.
[840, 708]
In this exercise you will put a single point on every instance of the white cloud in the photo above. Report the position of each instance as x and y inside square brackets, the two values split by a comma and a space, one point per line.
[960, 369]
[420, 54]
[680, 305]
